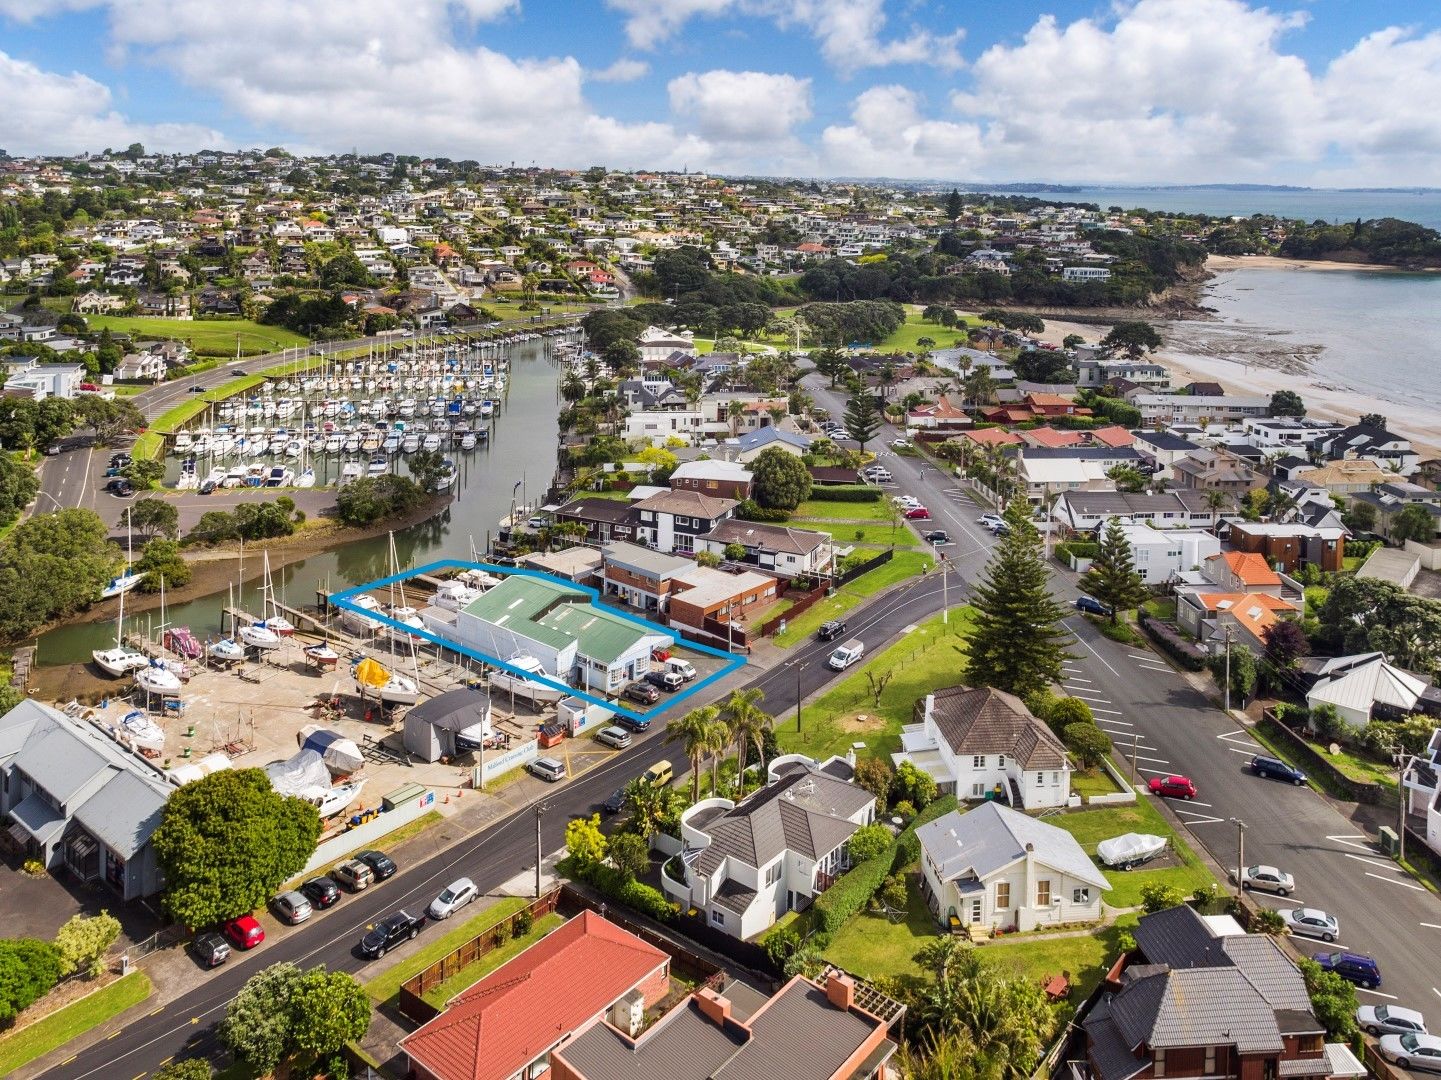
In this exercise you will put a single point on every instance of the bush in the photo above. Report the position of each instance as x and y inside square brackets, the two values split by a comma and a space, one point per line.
[780, 946]
[28, 969]
[1158, 896]
[750, 510]
[1186, 653]
[908, 847]
[870, 841]
[852, 891]
[636, 895]
[856, 493]
[1117, 631]
[1066, 550]
[521, 924]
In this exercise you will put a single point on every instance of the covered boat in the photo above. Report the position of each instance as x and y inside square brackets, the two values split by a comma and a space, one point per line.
[180, 641]
[373, 679]
[341, 756]
[1132, 849]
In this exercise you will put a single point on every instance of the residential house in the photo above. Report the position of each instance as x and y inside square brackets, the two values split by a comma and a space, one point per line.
[750, 446]
[641, 577]
[42, 381]
[1198, 408]
[78, 800]
[508, 1025]
[942, 417]
[1286, 432]
[141, 365]
[779, 549]
[657, 344]
[1161, 555]
[1392, 497]
[1290, 545]
[652, 395]
[1347, 477]
[708, 601]
[718, 479]
[805, 1031]
[1113, 436]
[999, 868]
[1216, 470]
[745, 864]
[580, 564]
[1085, 511]
[605, 520]
[1045, 472]
[1161, 450]
[1422, 782]
[1052, 438]
[982, 743]
[1094, 372]
[673, 520]
[1201, 998]
[576, 640]
[1368, 686]
[98, 303]
[1366, 442]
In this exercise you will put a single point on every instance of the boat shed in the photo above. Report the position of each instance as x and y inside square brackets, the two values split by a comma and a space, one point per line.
[439, 726]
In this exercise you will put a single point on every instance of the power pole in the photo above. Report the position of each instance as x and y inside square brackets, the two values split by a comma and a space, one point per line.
[1135, 748]
[1229, 629]
[1401, 791]
[540, 809]
[798, 667]
[1240, 853]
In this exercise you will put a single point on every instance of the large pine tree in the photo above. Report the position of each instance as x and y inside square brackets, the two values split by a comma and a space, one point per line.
[1016, 642]
[1112, 578]
[862, 419]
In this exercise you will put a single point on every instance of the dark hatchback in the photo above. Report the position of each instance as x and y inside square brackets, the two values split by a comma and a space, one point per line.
[321, 892]
[615, 803]
[829, 631]
[381, 864]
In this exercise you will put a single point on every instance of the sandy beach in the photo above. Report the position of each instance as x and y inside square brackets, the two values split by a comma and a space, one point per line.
[1217, 263]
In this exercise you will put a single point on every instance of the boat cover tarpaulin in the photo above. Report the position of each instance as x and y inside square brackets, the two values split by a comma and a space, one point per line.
[369, 673]
[1130, 848]
[340, 754]
[298, 775]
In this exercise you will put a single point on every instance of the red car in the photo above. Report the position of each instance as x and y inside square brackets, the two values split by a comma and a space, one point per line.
[918, 513]
[244, 932]
[1173, 787]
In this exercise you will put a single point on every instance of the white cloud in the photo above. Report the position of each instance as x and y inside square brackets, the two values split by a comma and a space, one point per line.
[623, 70]
[29, 10]
[742, 106]
[50, 113]
[650, 22]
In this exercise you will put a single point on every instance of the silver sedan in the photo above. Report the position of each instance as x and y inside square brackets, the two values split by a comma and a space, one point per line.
[1268, 879]
[1312, 922]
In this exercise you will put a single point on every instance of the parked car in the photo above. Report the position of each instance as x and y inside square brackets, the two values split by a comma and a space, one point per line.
[1091, 606]
[990, 521]
[918, 513]
[1000, 528]
[641, 692]
[1268, 879]
[388, 933]
[669, 681]
[1353, 967]
[616, 737]
[119, 459]
[831, 630]
[380, 863]
[938, 536]
[292, 907]
[354, 875]
[452, 898]
[1276, 769]
[195, 389]
[1312, 922]
[53, 449]
[636, 723]
[207, 487]
[877, 475]
[660, 654]
[1413, 1051]
[322, 892]
[211, 949]
[1172, 787]
[538, 522]
[901, 444]
[120, 487]
[659, 774]
[684, 668]
[1390, 1020]
[905, 501]
[548, 769]
[244, 933]
[615, 803]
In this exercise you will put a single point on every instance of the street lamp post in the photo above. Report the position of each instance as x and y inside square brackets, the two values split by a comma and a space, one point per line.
[1240, 852]
[540, 809]
[1229, 630]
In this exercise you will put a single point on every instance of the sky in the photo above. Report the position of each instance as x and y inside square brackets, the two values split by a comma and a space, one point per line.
[1325, 93]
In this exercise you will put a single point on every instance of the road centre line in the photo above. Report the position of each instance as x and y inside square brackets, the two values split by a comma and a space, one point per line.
[1396, 881]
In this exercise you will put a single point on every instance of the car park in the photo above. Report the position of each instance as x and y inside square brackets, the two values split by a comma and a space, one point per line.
[1390, 1020]
[1312, 922]
[388, 933]
[668, 681]
[831, 630]
[1091, 606]
[548, 769]
[322, 893]
[1353, 967]
[354, 875]
[643, 693]
[1413, 1051]
[380, 863]
[211, 949]
[292, 907]
[1276, 769]
[918, 513]
[244, 933]
[452, 898]
[616, 737]
[1268, 879]
[1172, 787]
[938, 536]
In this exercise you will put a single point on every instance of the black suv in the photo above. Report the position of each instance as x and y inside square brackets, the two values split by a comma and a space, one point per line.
[381, 864]
[212, 950]
[938, 536]
[388, 933]
[829, 631]
[321, 892]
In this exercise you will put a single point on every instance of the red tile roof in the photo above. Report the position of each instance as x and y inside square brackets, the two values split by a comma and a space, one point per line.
[1114, 435]
[1050, 437]
[993, 437]
[1251, 568]
[523, 1008]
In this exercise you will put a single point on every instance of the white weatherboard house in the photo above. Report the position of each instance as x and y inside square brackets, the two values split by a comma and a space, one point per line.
[982, 743]
[745, 864]
[575, 640]
[994, 866]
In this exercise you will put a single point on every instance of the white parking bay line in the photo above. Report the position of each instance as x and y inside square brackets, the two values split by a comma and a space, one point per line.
[1238, 731]
[1396, 881]
[1239, 750]
[1112, 712]
[1077, 678]
[1154, 772]
[1349, 839]
[1075, 692]
[1148, 667]
[1377, 993]
[1433, 926]
[1157, 760]
[1135, 656]
[1118, 723]
[1375, 862]
[1194, 817]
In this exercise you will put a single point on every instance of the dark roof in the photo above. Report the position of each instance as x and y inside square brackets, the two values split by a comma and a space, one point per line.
[687, 503]
[734, 896]
[983, 720]
[807, 811]
[609, 510]
[1164, 440]
[754, 534]
[1081, 453]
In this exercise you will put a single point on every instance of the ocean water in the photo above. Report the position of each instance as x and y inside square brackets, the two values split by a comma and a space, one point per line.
[1422, 207]
[1378, 331]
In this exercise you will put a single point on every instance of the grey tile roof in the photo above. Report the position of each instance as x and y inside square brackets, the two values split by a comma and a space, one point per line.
[798, 1035]
[682, 1045]
[733, 896]
[753, 534]
[1110, 1053]
[1196, 1007]
[646, 561]
[687, 503]
[123, 814]
[986, 721]
[805, 812]
[1179, 938]
[992, 837]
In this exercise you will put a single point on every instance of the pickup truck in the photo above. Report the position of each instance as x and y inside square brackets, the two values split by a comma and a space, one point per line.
[390, 932]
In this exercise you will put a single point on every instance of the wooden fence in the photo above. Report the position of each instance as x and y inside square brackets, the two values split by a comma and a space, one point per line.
[412, 992]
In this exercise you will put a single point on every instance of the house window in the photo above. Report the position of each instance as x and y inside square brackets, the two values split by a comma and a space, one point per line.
[773, 874]
[1159, 1057]
[978, 761]
[1080, 896]
[978, 791]
[1210, 1067]
[1311, 1044]
[1003, 895]
[1055, 778]
[1043, 893]
[1001, 761]
[717, 917]
[1040, 778]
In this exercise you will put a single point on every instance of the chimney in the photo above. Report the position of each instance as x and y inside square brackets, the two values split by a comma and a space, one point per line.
[841, 991]
[717, 1009]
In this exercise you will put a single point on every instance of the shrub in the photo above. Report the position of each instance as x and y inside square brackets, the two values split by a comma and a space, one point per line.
[522, 923]
[908, 847]
[856, 493]
[34, 868]
[852, 891]
[780, 946]
[637, 895]
[869, 841]
[1158, 896]
[1117, 631]
[750, 510]
[1088, 743]
[1076, 549]
[1186, 653]
[1067, 711]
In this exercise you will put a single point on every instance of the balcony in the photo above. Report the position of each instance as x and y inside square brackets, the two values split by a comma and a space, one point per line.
[673, 875]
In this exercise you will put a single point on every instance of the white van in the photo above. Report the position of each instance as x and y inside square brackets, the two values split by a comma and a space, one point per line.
[684, 668]
[847, 654]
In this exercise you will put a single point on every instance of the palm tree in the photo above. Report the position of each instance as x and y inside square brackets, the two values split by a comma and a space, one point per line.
[745, 723]
[1215, 499]
[695, 731]
[571, 387]
[733, 416]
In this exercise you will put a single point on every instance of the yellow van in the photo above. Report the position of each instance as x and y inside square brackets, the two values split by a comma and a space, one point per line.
[659, 774]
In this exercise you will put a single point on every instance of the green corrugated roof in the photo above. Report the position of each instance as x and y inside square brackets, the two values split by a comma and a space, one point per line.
[556, 615]
[602, 636]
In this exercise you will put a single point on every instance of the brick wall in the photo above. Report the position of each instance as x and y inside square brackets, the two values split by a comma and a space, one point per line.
[621, 576]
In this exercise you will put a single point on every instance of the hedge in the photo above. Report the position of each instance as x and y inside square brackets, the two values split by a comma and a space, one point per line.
[1066, 550]
[1189, 655]
[750, 510]
[637, 895]
[852, 892]
[858, 493]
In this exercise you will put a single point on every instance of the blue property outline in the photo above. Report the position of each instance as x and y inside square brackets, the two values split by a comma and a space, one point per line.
[342, 600]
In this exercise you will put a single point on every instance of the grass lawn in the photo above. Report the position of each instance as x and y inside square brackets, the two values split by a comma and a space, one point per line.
[845, 532]
[1093, 782]
[845, 511]
[213, 337]
[386, 985]
[1161, 609]
[905, 564]
[1087, 956]
[1090, 827]
[75, 1019]
[1347, 762]
[926, 658]
[490, 961]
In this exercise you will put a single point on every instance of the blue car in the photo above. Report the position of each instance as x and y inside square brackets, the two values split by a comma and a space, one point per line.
[1276, 769]
[1353, 967]
[1091, 606]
